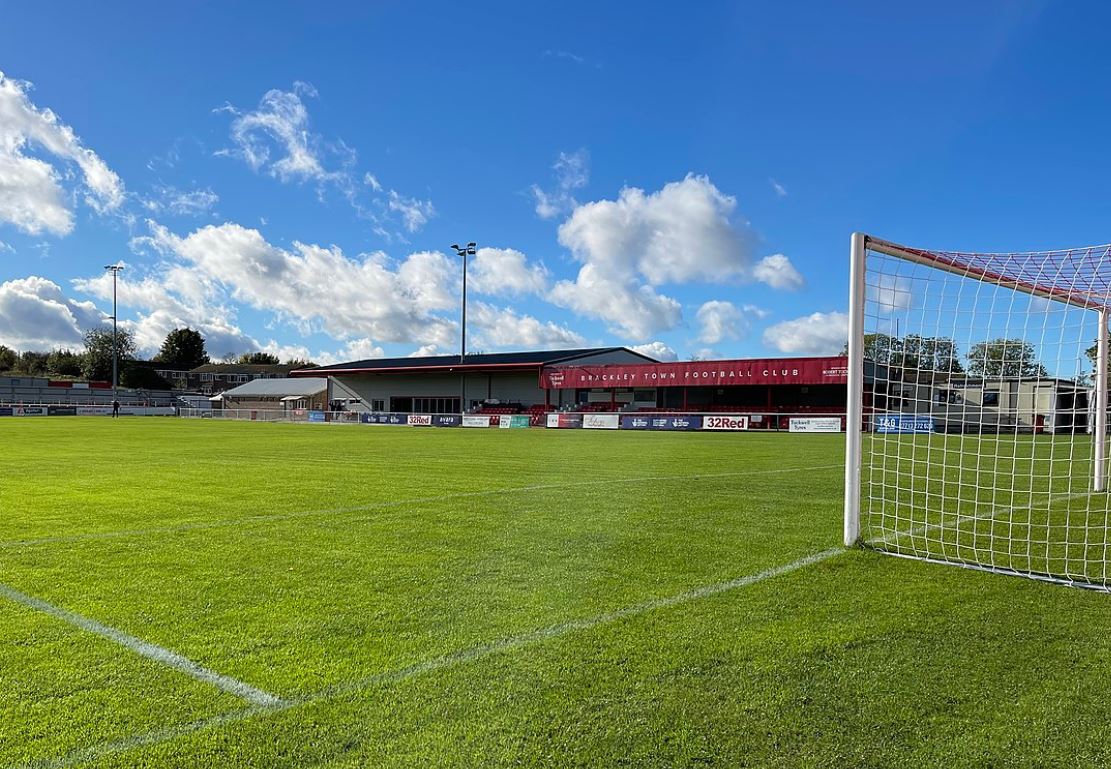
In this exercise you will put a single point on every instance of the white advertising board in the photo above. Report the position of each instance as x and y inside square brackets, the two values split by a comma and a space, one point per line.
[814, 425]
[475, 420]
[601, 421]
[420, 420]
[553, 420]
[29, 411]
[724, 422]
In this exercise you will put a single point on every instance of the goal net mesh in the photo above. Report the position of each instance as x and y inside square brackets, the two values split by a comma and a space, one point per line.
[978, 444]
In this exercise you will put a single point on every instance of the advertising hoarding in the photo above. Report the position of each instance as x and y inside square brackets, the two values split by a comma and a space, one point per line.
[905, 424]
[725, 422]
[476, 420]
[513, 420]
[447, 420]
[601, 421]
[814, 425]
[656, 422]
[419, 420]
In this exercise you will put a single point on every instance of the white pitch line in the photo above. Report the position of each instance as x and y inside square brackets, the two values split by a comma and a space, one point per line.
[264, 517]
[460, 657]
[146, 649]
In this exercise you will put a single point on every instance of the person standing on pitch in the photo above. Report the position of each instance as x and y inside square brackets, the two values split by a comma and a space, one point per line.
[115, 409]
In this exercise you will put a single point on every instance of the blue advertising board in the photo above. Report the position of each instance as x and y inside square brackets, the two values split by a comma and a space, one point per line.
[447, 420]
[5, 411]
[904, 424]
[654, 422]
[316, 416]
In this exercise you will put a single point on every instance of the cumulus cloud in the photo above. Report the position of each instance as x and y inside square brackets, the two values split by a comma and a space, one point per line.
[506, 271]
[889, 293]
[36, 315]
[572, 172]
[720, 320]
[632, 310]
[778, 272]
[320, 288]
[657, 350]
[502, 327]
[779, 189]
[424, 351]
[31, 194]
[821, 333]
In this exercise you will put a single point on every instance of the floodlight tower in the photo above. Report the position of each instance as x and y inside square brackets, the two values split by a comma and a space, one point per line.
[115, 270]
[463, 252]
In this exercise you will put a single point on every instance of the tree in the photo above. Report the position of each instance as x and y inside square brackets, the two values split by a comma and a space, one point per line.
[142, 377]
[1004, 358]
[183, 349]
[32, 363]
[912, 357]
[300, 363]
[8, 358]
[258, 358]
[64, 363]
[98, 352]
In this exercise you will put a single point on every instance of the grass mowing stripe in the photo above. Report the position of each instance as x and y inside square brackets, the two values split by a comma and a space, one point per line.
[146, 649]
[263, 518]
[438, 663]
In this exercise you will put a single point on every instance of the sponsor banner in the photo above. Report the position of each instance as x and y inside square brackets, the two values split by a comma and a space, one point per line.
[93, 411]
[513, 420]
[553, 420]
[5, 411]
[601, 421]
[814, 425]
[904, 423]
[476, 420]
[721, 373]
[62, 411]
[565, 421]
[653, 422]
[317, 416]
[447, 420]
[724, 422]
[419, 420]
[30, 411]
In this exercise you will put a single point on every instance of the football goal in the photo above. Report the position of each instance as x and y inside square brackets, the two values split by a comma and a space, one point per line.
[977, 412]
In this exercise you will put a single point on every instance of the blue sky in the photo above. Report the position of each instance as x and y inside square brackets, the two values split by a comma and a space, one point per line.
[680, 177]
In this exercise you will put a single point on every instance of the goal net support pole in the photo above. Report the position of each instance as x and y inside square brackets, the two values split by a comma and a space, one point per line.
[1099, 453]
[854, 413]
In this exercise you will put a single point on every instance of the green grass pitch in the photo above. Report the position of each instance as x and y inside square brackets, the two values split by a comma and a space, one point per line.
[502, 598]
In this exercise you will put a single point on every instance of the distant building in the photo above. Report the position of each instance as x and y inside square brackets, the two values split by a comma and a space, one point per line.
[275, 394]
[213, 378]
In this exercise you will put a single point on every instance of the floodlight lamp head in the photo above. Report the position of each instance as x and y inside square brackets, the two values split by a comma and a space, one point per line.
[455, 246]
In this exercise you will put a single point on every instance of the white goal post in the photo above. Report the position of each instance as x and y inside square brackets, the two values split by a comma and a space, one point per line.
[976, 427]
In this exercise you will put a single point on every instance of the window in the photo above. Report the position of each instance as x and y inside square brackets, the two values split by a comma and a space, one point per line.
[206, 377]
[991, 397]
[946, 396]
[378, 405]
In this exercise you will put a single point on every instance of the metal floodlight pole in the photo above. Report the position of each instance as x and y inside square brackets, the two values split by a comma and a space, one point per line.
[463, 252]
[115, 269]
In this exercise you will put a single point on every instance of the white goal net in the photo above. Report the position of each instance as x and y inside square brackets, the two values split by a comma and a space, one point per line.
[977, 409]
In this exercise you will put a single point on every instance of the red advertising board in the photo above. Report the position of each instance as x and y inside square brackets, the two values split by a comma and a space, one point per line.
[718, 373]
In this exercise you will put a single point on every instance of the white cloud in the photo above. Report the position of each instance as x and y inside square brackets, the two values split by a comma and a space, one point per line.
[706, 353]
[5, 247]
[778, 272]
[276, 139]
[634, 311]
[572, 172]
[657, 350]
[31, 194]
[182, 202]
[319, 288]
[502, 327]
[720, 320]
[821, 333]
[506, 271]
[414, 213]
[424, 351]
[36, 315]
[780, 190]
[890, 293]
[279, 127]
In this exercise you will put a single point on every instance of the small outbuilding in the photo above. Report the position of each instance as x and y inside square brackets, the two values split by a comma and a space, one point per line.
[278, 394]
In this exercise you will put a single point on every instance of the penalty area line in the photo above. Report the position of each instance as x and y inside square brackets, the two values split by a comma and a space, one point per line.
[158, 654]
[443, 662]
